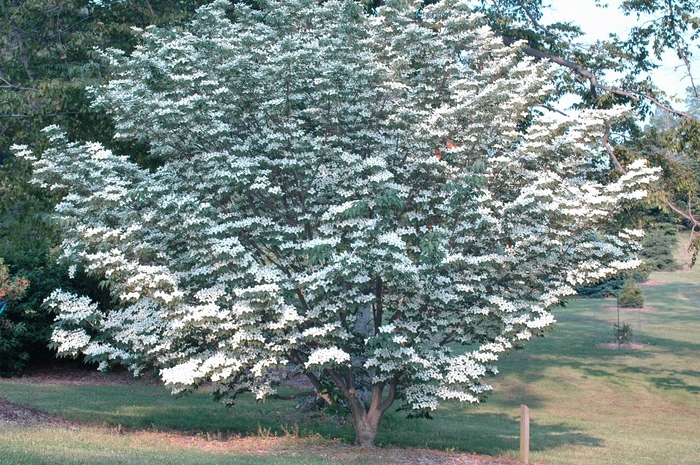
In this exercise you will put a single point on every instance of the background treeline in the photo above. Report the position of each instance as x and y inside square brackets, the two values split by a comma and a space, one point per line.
[47, 60]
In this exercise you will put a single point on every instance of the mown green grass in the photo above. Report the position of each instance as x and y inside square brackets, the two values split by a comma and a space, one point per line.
[614, 406]
[588, 405]
[59, 446]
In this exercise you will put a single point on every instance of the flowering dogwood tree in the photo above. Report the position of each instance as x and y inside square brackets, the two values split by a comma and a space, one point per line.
[371, 201]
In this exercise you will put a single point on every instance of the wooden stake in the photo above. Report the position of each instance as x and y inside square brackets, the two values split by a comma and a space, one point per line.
[524, 434]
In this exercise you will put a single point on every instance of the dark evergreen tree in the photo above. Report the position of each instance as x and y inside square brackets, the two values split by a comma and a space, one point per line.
[630, 295]
[46, 62]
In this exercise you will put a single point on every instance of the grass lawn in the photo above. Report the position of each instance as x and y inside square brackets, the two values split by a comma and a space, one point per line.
[55, 446]
[588, 405]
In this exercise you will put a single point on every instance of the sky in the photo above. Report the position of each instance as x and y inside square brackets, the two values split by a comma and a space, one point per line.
[598, 23]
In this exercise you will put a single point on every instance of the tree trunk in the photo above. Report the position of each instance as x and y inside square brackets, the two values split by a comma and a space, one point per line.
[366, 425]
[365, 419]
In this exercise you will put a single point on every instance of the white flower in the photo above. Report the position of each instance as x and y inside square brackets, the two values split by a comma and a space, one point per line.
[327, 356]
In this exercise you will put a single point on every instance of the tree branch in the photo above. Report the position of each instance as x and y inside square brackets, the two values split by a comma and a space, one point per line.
[611, 152]
[338, 380]
[295, 396]
[63, 31]
[386, 403]
[593, 81]
[150, 8]
[315, 382]
[378, 308]
[695, 222]
[675, 208]
[679, 50]
[534, 21]
[9, 85]
[20, 115]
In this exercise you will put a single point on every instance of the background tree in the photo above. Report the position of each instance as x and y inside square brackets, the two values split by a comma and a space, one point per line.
[657, 250]
[584, 67]
[673, 144]
[368, 200]
[11, 354]
[47, 61]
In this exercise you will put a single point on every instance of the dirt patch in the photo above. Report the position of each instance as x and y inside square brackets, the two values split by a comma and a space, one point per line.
[11, 413]
[683, 271]
[629, 310]
[616, 346]
[651, 283]
[329, 450]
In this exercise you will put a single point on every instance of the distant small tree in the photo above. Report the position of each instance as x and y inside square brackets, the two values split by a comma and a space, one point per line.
[623, 333]
[657, 251]
[376, 202]
[631, 295]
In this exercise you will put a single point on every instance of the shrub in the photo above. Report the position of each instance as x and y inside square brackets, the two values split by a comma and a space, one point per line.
[631, 295]
[623, 333]
[12, 353]
[656, 250]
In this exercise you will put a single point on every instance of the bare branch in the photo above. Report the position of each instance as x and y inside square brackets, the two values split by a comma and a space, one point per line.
[295, 396]
[21, 115]
[694, 221]
[687, 249]
[679, 50]
[9, 85]
[339, 382]
[594, 84]
[315, 382]
[552, 109]
[611, 151]
[150, 8]
[392, 393]
[318, 388]
[542, 28]
[19, 88]
[378, 308]
[63, 31]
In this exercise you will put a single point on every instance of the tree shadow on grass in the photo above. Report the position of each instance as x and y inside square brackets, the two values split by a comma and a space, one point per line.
[674, 383]
[567, 349]
[476, 428]
[615, 373]
[484, 433]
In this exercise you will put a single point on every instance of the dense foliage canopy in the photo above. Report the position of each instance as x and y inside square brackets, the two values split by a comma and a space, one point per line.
[372, 201]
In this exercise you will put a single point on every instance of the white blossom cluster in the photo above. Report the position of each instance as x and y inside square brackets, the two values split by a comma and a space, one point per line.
[340, 193]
